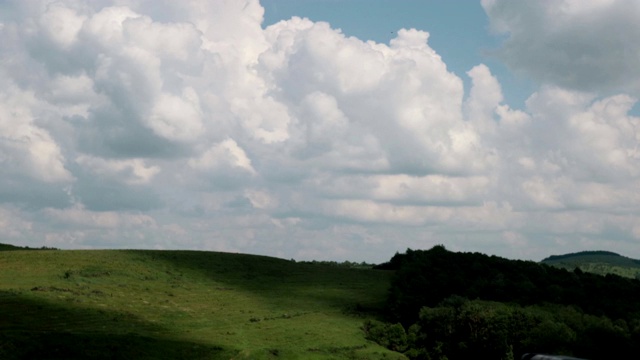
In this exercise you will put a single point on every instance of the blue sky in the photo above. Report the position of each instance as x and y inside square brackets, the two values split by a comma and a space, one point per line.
[326, 129]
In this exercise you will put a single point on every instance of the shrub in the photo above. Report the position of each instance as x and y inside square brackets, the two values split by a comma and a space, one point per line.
[391, 336]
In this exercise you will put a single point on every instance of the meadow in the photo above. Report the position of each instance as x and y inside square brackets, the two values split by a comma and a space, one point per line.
[143, 304]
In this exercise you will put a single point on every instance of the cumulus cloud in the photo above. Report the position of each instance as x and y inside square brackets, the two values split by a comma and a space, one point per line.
[27, 148]
[586, 46]
[160, 124]
[131, 171]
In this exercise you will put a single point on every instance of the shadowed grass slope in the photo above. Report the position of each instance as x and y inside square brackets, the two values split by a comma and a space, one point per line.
[184, 304]
[32, 328]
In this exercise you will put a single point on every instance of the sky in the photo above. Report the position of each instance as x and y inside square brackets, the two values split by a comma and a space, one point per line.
[321, 129]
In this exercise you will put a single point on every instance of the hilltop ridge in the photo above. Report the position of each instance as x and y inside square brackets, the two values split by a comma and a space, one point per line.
[9, 247]
[580, 254]
[598, 262]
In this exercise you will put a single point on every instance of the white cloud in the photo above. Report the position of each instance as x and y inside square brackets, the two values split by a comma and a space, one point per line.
[12, 226]
[422, 108]
[25, 147]
[61, 24]
[222, 157]
[177, 117]
[131, 171]
[73, 90]
[543, 193]
[261, 199]
[80, 217]
[484, 98]
[165, 124]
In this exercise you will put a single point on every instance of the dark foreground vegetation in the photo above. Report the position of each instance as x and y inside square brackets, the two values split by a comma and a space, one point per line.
[445, 305]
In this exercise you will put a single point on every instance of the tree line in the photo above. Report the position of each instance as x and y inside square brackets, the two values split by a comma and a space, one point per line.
[446, 305]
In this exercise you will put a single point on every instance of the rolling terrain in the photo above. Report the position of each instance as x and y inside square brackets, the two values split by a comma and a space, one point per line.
[139, 304]
[597, 262]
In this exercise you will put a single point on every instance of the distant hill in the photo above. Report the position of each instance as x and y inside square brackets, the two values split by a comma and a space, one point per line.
[8, 247]
[597, 262]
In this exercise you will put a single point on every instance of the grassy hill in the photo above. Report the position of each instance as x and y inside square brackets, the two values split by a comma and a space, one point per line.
[598, 262]
[134, 304]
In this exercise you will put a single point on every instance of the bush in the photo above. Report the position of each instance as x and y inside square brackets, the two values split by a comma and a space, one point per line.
[391, 336]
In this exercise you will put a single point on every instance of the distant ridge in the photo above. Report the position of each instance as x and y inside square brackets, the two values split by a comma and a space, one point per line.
[598, 262]
[581, 253]
[9, 247]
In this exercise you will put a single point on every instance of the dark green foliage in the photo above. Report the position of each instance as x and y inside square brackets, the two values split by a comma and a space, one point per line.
[425, 278]
[521, 307]
[490, 330]
[391, 336]
[8, 247]
[471, 329]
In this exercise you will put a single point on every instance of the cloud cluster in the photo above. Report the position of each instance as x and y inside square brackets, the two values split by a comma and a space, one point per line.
[158, 124]
[588, 46]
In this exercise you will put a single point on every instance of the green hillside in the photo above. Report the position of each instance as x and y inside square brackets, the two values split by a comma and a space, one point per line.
[132, 304]
[597, 262]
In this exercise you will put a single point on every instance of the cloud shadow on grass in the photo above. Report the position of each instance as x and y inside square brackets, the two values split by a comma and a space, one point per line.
[277, 281]
[32, 328]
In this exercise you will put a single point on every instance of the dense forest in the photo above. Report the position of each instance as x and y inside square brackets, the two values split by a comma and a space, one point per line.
[446, 305]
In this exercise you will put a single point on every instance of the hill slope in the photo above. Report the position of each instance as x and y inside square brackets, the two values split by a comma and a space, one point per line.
[184, 304]
[598, 262]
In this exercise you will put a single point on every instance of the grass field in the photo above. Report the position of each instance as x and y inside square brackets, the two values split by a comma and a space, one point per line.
[135, 304]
